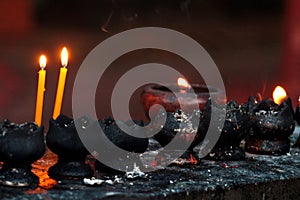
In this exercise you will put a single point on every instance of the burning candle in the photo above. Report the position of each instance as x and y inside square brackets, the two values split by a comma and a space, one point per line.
[61, 83]
[40, 91]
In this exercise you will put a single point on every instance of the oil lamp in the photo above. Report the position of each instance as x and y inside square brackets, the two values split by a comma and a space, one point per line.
[157, 94]
[236, 128]
[122, 140]
[274, 123]
[182, 124]
[20, 146]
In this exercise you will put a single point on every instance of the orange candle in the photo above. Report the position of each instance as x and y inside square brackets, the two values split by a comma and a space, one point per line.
[61, 83]
[40, 91]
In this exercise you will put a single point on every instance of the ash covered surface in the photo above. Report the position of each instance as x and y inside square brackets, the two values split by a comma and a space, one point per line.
[257, 177]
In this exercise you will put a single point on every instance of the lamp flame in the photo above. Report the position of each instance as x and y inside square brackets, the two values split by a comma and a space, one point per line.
[181, 82]
[43, 61]
[64, 56]
[279, 95]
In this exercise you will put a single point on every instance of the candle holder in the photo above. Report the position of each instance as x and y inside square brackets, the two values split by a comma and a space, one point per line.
[236, 128]
[20, 146]
[63, 139]
[272, 127]
[157, 94]
[124, 141]
[179, 122]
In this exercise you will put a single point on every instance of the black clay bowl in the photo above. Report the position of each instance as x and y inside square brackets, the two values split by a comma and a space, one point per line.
[63, 139]
[21, 144]
[121, 138]
[273, 122]
[189, 135]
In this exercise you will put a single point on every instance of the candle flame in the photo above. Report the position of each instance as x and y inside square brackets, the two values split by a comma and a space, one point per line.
[43, 61]
[181, 82]
[64, 56]
[299, 101]
[279, 95]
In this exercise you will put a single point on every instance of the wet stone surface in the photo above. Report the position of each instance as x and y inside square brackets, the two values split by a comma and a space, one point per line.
[257, 177]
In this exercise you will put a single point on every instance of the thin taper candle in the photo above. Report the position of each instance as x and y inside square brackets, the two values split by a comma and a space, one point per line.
[40, 91]
[61, 83]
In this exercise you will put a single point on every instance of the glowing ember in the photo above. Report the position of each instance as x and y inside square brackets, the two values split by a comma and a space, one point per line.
[224, 165]
[193, 160]
[182, 83]
[154, 163]
[279, 95]
[190, 160]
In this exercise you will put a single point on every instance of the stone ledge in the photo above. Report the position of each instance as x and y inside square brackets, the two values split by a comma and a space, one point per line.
[258, 177]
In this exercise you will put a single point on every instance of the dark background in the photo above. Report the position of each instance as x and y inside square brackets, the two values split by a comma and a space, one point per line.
[246, 39]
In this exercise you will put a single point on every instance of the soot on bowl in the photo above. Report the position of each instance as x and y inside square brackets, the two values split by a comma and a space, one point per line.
[185, 127]
[124, 141]
[20, 146]
[63, 139]
[236, 128]
[273, 124]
